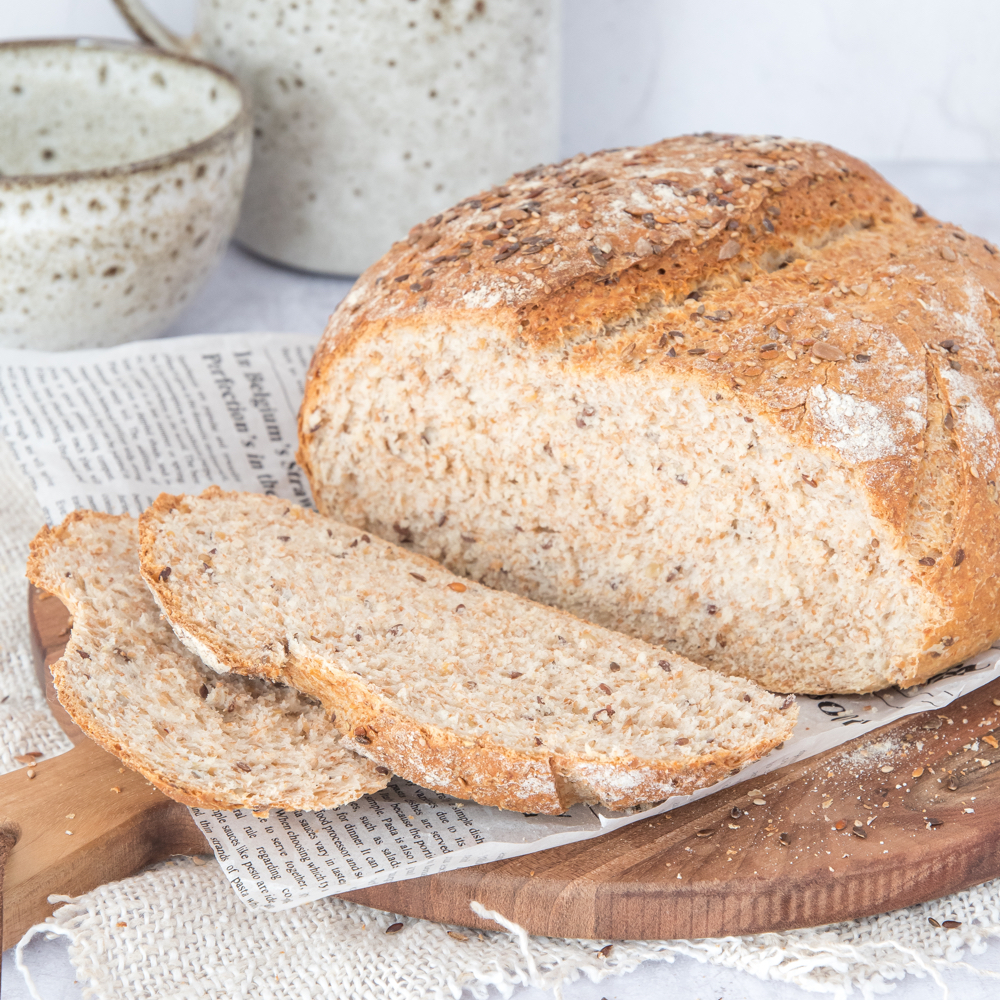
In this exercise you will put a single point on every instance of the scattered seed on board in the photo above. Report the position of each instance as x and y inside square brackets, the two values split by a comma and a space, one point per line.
[394, 928]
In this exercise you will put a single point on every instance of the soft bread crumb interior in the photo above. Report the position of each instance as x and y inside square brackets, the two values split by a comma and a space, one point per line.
[222, 741]
[271, 582]
[641, 506]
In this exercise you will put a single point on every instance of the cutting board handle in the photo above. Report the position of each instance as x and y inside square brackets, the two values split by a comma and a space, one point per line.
[8, 837]
[83, 819]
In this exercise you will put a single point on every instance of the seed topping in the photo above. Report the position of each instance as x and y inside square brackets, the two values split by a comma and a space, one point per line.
[827, 352]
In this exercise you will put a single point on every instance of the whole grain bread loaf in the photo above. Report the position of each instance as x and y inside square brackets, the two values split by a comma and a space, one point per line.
[462, 689]
[736, 396]
[219, 741]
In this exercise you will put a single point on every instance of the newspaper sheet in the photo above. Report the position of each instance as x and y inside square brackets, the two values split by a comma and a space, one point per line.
[110, 429]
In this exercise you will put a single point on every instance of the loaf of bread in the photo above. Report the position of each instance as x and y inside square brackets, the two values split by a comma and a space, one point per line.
[735, 396]
[205, 739]
[464, 690]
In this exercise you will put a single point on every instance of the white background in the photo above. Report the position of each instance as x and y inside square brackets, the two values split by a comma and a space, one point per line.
[882, 79]
[912, 86]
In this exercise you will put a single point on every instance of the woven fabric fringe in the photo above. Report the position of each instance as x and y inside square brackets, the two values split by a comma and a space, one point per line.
[179, 931]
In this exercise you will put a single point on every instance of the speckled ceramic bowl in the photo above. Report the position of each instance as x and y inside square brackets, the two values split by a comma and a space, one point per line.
[121, 173]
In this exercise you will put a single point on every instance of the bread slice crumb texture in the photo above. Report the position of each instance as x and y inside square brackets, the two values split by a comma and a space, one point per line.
[205, 739]
[467, 690]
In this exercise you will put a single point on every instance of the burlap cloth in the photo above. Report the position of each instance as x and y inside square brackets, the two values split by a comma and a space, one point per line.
[178, 930]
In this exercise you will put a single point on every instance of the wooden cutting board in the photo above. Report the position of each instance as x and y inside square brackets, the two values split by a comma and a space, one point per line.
[732, 863]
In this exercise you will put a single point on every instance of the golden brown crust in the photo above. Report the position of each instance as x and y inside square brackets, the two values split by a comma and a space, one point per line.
[433, 757]
[819, 287]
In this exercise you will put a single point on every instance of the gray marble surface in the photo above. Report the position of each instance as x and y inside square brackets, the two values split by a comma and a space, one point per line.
[246, 294]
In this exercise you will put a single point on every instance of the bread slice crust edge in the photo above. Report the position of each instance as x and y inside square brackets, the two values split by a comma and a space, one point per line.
[433, 757]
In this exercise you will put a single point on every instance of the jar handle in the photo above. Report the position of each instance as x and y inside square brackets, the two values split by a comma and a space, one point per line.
[152, 30]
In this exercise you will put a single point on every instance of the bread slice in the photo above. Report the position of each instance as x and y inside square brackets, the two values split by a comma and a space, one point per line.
[205, 739]
[733, 395]
[462, 689]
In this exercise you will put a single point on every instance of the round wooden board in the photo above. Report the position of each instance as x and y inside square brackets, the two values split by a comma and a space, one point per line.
[719, 866]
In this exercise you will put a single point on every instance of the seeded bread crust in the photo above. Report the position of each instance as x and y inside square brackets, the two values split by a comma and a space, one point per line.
[807, 296]
[217, 742]
[256, 585]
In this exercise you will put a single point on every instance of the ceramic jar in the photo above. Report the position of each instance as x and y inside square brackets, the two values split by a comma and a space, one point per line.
[121, 173]
[372, 116]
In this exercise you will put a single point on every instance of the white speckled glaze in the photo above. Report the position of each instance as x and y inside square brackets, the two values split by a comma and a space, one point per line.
[121, 173]
[371, 115]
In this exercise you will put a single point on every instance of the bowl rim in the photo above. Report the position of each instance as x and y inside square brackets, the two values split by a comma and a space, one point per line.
[238, 123]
